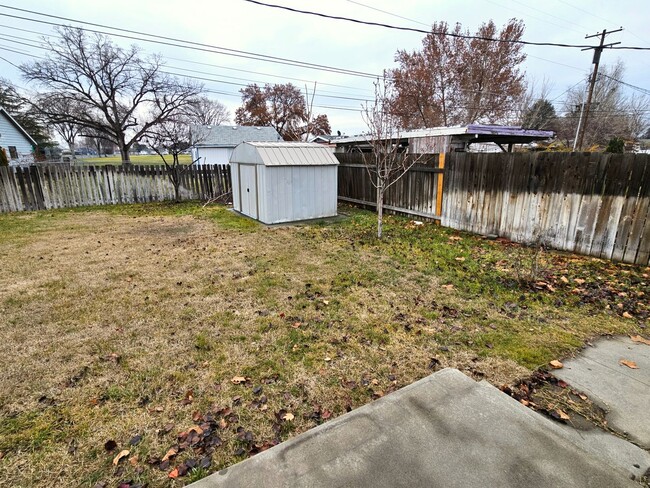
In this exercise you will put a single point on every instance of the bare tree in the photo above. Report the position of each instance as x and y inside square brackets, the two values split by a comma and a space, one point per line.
[387, 161]
[120, 94]
[68, 130]
[614, 112]
[169, 139]
[204, 111]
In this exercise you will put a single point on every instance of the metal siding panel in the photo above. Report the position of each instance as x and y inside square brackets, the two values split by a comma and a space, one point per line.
[331, 195]
[314, 194]
[262, 193]
[286, 187]
[271, 193]
[234, 175]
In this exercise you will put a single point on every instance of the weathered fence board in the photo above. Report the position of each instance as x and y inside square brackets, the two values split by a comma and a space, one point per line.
[593, 204]
[414, 194]
[62, 186]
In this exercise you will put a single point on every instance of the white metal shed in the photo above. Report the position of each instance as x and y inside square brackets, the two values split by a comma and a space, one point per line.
[277, 182]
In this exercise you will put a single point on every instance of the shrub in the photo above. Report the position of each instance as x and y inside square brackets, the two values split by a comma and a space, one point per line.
[615, 145]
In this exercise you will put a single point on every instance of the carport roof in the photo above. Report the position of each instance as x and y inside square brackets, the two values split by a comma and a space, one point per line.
[283, 154]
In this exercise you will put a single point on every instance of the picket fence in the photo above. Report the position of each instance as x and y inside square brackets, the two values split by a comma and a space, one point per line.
[39, 187]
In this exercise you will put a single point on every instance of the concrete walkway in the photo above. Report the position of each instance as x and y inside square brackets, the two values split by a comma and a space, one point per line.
[445, 430]
[624, 393]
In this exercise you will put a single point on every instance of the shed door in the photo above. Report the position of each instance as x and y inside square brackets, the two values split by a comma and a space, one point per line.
[248, 189]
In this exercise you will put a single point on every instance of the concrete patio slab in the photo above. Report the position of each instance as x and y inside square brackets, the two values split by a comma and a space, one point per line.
[445, 430]
[623, 392]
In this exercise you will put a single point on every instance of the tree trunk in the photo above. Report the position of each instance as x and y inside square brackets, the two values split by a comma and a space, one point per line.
[177, 192]
[71, 145]
[124, 152]
[380, 207]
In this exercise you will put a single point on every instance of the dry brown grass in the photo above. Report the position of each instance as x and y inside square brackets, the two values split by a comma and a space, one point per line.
[110, 318]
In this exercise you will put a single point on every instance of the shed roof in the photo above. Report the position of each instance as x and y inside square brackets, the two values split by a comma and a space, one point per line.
[231, 135]
[283, 154]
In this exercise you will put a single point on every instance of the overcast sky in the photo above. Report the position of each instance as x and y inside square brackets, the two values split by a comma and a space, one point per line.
[239, 25]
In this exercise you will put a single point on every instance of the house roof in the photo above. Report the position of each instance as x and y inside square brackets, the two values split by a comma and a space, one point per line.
[231, 135]
[478, 132]
[283, 154]
[18, 126]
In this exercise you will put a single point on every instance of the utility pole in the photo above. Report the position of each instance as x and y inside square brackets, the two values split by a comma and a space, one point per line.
[582, 124]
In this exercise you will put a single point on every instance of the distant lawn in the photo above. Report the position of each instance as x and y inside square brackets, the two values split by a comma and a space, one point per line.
[125, 327]
[153, 159]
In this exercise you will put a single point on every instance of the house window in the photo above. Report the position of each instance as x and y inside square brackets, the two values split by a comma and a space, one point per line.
[13, 153]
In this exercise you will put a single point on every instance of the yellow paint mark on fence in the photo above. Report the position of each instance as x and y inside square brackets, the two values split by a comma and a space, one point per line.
[441, 165]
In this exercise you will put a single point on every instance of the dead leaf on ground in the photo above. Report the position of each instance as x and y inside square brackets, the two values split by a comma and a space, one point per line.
[288, 416]
[628, 363]
[236, 380]
[563, 415]
[460, 259]
[564, 279]
[555, 364]
[448, 287]
[170, 454]
[579, 281]
[121, 456]
[628, 315]
[134, 460]
[174, 473]
[642, 340]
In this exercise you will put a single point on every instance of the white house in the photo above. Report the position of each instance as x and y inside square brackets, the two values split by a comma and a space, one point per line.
[277, 182]
[216, 143]
[15, 141]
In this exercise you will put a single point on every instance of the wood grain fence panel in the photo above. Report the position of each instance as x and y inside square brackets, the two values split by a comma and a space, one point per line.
[618, 189]
[639, 213]
[589, 203]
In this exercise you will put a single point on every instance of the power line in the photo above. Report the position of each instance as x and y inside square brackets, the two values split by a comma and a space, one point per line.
[321, 93]
[634, 87]
[171, 41]
[388, 13]
[421, 31]
[320, 83]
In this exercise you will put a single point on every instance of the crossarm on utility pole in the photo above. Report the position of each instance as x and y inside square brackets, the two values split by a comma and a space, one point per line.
[582, 123]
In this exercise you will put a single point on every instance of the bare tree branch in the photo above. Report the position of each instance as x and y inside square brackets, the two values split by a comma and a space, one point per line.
[117, 93]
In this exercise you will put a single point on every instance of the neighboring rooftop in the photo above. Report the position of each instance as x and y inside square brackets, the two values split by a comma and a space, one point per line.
[231, 135]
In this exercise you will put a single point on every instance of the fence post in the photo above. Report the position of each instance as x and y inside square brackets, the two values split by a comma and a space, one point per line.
[441, 165]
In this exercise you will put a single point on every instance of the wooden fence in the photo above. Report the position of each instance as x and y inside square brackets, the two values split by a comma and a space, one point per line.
[588, 203]
[58, 186]
[418, 193]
